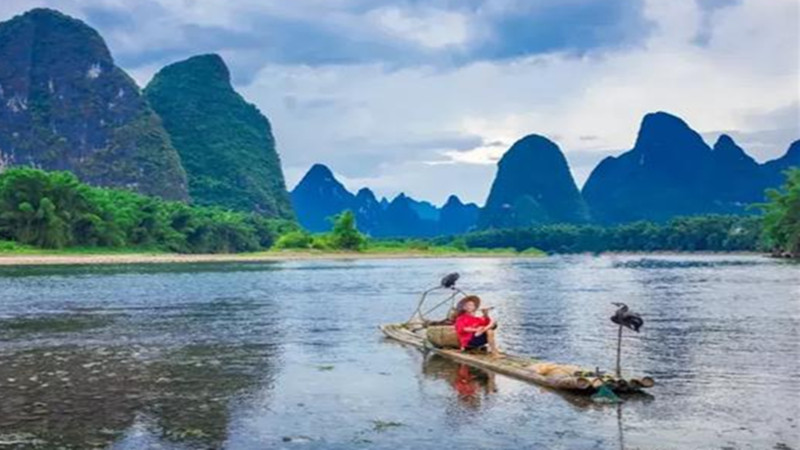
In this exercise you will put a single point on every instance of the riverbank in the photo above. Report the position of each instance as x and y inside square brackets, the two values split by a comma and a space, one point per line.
[64, 258]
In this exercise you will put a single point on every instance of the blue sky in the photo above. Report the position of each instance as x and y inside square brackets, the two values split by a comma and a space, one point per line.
[425, 96]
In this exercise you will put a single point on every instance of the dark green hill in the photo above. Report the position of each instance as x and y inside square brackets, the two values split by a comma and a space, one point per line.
[533, 186]
[65, 105]
[672, 172]
[225, 143]
[665, 175]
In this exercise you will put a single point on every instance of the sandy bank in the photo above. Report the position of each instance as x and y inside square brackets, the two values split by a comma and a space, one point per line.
[169, 258]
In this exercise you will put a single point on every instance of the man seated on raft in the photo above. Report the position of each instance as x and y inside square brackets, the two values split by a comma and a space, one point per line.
[475, 332]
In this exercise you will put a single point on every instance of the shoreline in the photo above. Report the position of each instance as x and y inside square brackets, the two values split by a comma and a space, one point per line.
[56, 259]
[11, 259]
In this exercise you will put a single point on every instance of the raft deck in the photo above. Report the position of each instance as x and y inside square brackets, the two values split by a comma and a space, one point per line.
[555, 376]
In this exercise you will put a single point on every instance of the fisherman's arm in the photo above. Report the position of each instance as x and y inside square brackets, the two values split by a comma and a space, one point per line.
[487, 327]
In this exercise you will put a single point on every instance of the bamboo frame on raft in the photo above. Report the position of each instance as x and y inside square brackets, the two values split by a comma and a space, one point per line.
[520, 367]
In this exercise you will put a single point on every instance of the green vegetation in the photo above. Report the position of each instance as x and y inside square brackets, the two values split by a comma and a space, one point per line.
[225, 143]
[54, 210]
[440, 247]
[782, 217]
[42, 211]
[343, 236]
[697, 233]
[296, 239]
[46, 212]
[98, 126]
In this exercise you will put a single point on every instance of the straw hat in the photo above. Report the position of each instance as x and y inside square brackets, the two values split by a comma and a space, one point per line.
[470, 298]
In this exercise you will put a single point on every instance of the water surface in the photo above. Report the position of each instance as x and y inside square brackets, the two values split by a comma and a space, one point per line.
[271, 355]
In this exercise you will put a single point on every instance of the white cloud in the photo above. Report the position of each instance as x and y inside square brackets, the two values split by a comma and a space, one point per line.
[748, 68]
[432, 28]
[367, 120]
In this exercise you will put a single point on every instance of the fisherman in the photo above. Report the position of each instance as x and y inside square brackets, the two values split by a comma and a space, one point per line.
[475, 332]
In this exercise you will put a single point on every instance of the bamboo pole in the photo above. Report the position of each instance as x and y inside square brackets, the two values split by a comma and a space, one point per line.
[619, 352]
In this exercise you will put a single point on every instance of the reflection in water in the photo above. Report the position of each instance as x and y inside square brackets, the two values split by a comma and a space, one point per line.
[471, 385]
[76, 397]
[620, 428]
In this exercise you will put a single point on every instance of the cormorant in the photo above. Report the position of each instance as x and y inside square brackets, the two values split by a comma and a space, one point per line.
[449, 280]
[627, 318]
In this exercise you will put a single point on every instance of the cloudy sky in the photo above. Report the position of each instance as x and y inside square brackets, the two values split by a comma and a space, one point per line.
[425, 96]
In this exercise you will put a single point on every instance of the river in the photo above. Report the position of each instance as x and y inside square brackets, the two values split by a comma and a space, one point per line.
[289, 355]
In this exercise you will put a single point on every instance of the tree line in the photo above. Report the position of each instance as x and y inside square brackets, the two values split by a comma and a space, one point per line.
[695, 233]
[55, 210]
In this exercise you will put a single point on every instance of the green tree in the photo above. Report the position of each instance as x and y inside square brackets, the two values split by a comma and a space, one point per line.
[781, 229]
[345, 235]
[39, 209]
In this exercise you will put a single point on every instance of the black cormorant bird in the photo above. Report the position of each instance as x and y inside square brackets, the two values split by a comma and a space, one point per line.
[627, 318]
[449, 280]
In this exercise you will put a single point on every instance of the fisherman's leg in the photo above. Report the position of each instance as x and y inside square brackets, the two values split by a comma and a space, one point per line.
[490, 336]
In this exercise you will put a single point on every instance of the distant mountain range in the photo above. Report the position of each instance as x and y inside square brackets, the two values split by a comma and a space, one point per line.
[189, 136]
[670, 172]
[319, 196]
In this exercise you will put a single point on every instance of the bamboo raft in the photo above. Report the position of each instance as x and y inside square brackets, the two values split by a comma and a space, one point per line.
[555, 376]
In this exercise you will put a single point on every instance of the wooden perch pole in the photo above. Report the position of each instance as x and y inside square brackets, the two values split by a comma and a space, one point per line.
[619, 353]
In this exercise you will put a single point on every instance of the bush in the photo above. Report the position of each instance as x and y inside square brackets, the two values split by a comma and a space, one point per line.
[298, 239]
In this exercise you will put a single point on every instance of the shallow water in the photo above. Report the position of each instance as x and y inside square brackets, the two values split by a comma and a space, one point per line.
[273, 355]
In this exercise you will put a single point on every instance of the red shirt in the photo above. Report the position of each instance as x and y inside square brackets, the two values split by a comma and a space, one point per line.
[466, 320]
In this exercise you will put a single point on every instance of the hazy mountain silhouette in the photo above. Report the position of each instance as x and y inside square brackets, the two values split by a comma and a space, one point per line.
[672, 172]
[319, 196]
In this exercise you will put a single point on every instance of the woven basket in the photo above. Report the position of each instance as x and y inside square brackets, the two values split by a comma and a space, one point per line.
[443, 336]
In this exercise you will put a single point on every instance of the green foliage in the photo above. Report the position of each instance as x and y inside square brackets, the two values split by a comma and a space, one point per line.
[225, 143]
[297, 239]
[345, 235]
[696, 233]
[100, 128]
[782, 216]
[55, 210]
